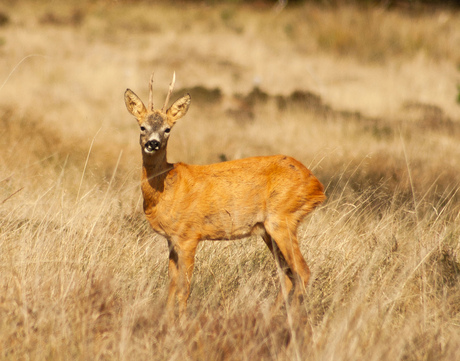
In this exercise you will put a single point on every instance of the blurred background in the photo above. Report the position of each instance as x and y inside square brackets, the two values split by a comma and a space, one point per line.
[335, 84]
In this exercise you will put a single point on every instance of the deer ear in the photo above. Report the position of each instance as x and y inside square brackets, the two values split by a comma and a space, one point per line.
[134, 105]
[179, 108]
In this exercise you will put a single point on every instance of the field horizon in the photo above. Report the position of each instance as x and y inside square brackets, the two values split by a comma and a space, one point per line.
[365, 97]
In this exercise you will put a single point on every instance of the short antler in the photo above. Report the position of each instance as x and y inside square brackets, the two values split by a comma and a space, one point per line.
[171, 87]
[151, 93]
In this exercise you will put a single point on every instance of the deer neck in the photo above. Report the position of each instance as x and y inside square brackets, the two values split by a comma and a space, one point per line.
[155, 168]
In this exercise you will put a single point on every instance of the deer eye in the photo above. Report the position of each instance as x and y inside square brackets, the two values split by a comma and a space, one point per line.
[142, 129]
[167, 130]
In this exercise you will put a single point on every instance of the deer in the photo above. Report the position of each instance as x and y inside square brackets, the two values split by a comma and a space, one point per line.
[266, 196]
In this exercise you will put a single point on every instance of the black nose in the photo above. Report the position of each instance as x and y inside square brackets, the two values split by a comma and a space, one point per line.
[152, 145]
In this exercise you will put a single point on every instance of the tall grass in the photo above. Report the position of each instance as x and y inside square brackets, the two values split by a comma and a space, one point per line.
[82, 275]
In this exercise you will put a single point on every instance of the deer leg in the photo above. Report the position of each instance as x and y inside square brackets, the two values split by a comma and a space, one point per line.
[173, 271]
[185, 266]
[288, 246]
[285, 278]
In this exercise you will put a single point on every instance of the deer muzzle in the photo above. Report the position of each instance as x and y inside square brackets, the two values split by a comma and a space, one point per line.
[152, 146]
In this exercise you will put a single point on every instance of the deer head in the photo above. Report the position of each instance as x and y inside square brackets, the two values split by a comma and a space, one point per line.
[155, 125]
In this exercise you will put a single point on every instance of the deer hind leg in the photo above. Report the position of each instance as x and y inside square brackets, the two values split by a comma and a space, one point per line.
[286, 277]
[286, 241]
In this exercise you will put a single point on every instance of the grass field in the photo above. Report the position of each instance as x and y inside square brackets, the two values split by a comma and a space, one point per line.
[365, 97]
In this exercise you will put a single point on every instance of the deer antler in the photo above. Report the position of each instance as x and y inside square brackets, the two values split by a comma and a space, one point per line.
[151, 93]
[171, 87]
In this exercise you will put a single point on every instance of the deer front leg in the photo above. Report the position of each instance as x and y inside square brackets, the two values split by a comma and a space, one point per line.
[186, 263]
[173, 272]
[180, 269]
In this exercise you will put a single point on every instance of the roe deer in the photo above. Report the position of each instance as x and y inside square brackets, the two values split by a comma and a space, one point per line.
[186, 204]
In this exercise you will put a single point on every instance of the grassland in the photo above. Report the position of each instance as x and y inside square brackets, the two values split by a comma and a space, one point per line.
[365, 97]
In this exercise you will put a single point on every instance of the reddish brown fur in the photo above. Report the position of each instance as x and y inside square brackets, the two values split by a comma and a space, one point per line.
[268, 196]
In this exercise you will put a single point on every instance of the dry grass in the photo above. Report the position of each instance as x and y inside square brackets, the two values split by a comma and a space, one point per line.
[366, 98]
